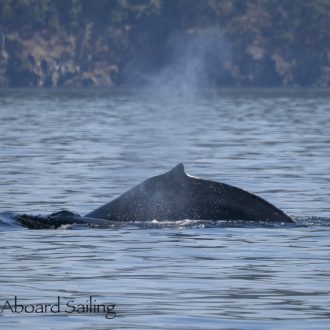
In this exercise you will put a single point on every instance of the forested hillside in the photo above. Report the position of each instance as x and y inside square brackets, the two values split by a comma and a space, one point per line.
[117, 42]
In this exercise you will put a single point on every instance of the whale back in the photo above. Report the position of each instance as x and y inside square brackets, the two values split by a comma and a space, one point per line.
[156, 198]
[176, 195]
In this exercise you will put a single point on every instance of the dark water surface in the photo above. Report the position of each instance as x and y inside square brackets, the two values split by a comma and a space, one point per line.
[78, 149]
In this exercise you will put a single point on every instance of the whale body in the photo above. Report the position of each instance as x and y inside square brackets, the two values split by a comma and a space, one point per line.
[176, 195]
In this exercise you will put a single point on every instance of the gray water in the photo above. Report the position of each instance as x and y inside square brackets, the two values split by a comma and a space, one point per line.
[78, 149]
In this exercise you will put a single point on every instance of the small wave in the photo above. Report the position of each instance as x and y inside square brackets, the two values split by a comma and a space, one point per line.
[312, 221]
[8, 221]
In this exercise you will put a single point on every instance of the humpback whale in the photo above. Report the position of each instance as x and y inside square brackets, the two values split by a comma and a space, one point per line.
[176, 195]
[173, 195]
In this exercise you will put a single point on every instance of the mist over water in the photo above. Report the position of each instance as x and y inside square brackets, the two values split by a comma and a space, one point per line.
[192, 63]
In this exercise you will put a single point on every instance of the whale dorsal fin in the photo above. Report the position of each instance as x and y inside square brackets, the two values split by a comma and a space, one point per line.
[177, 170]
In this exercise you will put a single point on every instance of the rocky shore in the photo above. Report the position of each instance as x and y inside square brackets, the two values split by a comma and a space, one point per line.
[255, 44]
[38, 60]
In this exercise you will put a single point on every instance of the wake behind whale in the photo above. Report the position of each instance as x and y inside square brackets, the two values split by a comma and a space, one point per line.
[171, 198]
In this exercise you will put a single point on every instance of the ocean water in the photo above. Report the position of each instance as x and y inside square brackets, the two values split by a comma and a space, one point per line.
[78, 149]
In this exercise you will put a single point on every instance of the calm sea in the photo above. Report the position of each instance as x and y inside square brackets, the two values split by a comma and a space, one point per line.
[78, 149]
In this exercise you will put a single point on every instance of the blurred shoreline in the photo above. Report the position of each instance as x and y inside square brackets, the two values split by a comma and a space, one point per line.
[115, 43]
